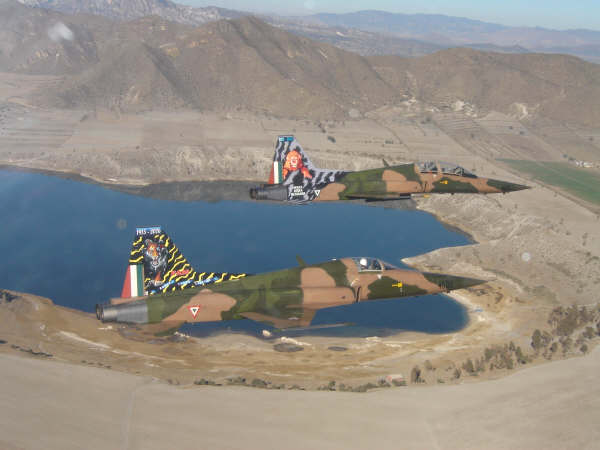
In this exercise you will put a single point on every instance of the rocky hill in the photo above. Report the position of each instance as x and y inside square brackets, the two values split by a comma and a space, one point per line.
[35, 40]
[560, 87]
[363, 32]
[240, 64]
[134, 9]
[246, 64]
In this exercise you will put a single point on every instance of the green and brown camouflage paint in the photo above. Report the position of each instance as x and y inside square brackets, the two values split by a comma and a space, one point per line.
[301, 181]
[284, 298]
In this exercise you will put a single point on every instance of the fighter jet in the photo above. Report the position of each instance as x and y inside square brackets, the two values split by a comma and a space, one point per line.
[294, 178]
[162, 288]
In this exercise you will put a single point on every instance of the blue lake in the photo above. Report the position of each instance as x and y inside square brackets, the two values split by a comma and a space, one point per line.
[69, 241]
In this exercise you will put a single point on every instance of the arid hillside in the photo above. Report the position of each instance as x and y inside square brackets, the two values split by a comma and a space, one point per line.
[37, 41]
[248, 65]
[134, 9]
[558, 87]
[239, 64]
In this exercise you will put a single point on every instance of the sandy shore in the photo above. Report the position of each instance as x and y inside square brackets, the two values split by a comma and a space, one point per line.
[54, 405]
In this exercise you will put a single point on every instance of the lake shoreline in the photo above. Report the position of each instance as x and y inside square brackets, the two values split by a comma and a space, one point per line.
[213, 190]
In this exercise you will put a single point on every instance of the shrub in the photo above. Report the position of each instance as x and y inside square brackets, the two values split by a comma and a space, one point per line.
[540, 339]
[536, 340]
[480, 365]
[589, 333]
[521, 358]
[257, 382]
[566, 344]
[468, 366]
[415, 375]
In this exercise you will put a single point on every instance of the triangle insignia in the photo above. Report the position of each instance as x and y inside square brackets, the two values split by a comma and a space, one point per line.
[194, 310]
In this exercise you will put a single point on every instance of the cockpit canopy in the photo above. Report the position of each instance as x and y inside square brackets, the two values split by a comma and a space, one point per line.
[444, 167]
[367, 264]
[428, 166]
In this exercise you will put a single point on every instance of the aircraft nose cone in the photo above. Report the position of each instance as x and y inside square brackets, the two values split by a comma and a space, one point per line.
[464, 282]
[451, 282]
[505, 186]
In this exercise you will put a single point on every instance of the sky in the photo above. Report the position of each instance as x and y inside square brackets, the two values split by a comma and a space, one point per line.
[556, 14]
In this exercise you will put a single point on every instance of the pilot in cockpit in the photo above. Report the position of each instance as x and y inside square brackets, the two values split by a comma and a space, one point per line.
[375, 265]
[369, 264]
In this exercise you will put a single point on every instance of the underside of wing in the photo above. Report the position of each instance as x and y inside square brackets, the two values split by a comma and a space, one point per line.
[369, 197]
[302, 320]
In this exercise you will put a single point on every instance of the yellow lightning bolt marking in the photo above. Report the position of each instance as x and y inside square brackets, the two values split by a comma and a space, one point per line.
[444, 182]
[138, 241]
[172, 257]
[136, 260]
[177, 263]
[222, 277]
[174, 269]
[235, 277]
[398, 285]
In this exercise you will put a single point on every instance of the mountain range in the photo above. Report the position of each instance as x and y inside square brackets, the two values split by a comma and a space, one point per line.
[449, 31]
[134, 9]
[365, 32]
[247, 64]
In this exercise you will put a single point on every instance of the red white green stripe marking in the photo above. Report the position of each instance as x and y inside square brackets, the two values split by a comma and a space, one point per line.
[134, 281]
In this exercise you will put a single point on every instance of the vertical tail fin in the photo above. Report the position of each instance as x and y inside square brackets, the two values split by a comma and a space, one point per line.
[156, 266]
[289, 158]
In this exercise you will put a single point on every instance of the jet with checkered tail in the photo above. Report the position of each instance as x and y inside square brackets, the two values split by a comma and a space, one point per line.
[293, 178]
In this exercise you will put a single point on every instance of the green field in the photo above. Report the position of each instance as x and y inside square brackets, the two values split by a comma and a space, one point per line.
[583, 183]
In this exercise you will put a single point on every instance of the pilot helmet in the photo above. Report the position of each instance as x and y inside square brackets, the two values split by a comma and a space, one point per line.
[363, 262]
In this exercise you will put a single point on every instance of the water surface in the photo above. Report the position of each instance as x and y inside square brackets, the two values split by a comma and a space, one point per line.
[70, 241]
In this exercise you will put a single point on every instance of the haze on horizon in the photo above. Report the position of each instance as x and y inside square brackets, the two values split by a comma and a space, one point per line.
[554, 14]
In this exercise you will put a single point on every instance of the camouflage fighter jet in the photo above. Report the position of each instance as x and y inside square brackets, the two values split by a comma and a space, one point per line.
[294, 178]
[162, 288]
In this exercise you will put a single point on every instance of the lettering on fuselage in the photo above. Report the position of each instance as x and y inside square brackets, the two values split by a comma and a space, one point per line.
[147, 231]
[297, 191]
[179, 273]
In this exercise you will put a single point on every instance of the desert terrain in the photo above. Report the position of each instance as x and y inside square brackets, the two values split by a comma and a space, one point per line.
[538, 315]
[554, 406]
[539, 248]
